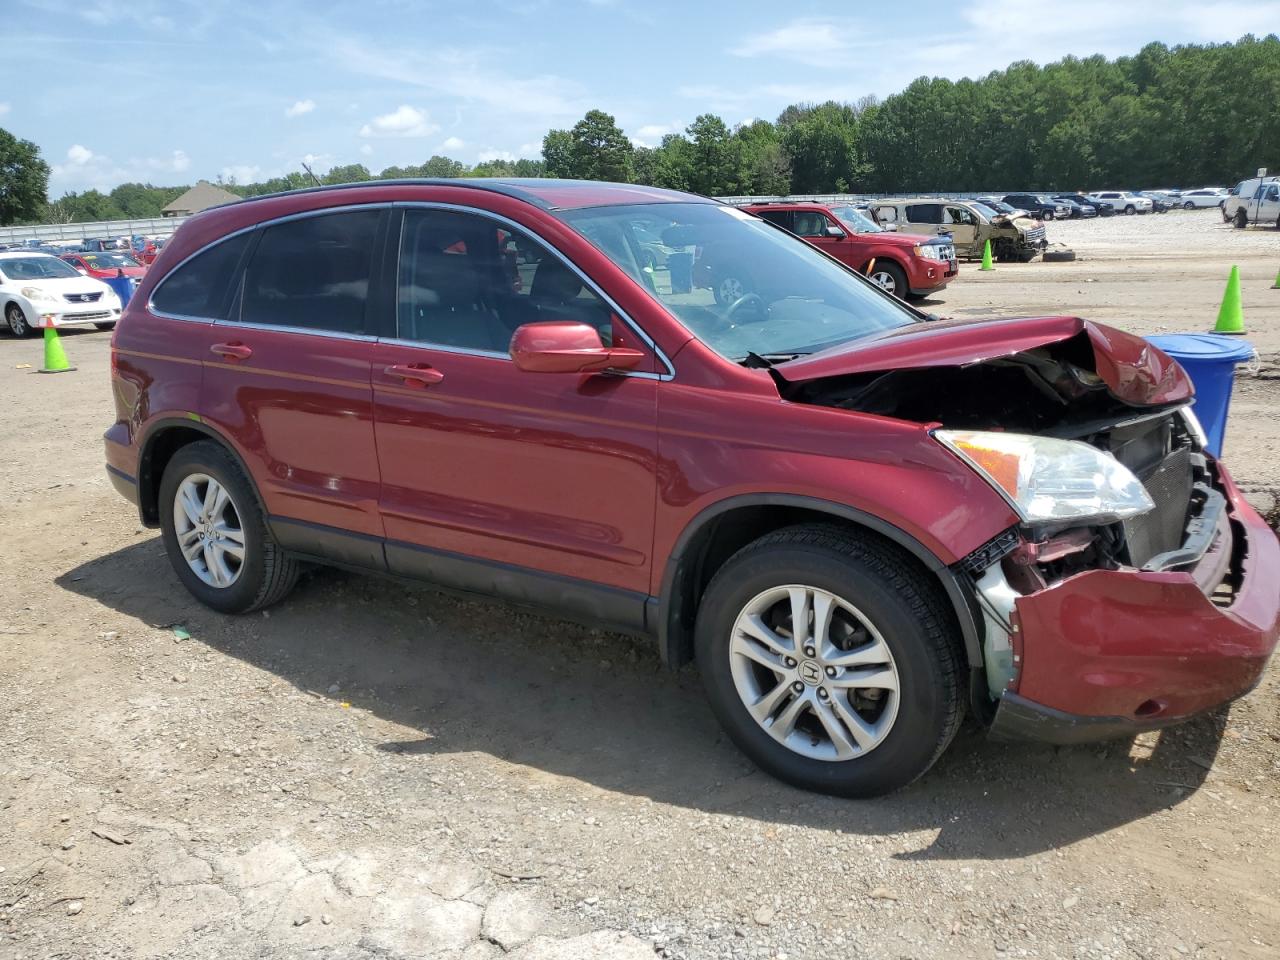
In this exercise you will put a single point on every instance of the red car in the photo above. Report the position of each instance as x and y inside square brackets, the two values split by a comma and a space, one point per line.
[106, 264]
[904, 264]
[860, 523]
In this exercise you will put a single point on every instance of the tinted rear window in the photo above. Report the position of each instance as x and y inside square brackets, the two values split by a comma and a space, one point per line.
[198, 288]
[924, 213]
[312, 273]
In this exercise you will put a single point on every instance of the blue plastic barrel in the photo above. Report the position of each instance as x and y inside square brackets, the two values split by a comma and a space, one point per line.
[1210, 361]
[123, 286]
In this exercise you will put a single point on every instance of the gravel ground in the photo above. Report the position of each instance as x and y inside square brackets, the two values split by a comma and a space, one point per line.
[379, 771]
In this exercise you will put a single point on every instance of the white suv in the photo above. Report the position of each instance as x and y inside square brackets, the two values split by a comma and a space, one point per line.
[39, 290]
[1124, 202]
[1204, 197]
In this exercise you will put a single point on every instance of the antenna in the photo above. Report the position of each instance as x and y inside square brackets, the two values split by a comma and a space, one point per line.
[314, 178]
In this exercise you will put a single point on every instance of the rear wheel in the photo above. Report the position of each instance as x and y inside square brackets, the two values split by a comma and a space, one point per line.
[17, 321]
[1242, 220]
[109, 325]
[831, 661]
[1188, 205]
[890, 278]
[216, 533]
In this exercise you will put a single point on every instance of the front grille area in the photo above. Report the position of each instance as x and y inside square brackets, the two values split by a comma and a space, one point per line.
[84, 317]
[82, 297]
[1035, 235]
[1163, 528]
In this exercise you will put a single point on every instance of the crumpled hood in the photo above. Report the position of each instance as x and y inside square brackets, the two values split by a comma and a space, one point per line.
[1135, 371]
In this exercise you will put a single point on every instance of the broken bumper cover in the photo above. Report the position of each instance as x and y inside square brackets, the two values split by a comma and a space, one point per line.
[1110, 653]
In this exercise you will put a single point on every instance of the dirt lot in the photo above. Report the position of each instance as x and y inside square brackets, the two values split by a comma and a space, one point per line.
[376, 770]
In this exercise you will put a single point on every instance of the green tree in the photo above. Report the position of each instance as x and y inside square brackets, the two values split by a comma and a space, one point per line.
[765, 167]
[715, 156]
[598, 150]
[557, 154]
[825, 151]
[24, 179]
[350, 173]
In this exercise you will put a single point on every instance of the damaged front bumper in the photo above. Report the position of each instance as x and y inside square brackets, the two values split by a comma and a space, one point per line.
[1110, 653]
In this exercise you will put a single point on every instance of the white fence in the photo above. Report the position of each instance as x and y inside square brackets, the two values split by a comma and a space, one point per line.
[152, 227]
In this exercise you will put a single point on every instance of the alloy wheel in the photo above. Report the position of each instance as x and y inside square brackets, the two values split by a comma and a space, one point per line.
[885, 281]
[731, 290]
[814, 673]
[17, 321]
[207, 525]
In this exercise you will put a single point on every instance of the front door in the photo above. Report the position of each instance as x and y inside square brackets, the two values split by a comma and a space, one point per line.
[963, 224]
[535, 486]
[814, 226]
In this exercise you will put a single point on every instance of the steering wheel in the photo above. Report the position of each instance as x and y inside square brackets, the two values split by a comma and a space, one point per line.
[747, 300]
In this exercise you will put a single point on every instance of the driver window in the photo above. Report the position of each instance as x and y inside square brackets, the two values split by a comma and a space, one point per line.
[1274, 193]
[886, 214]
[467, 282]
[810, 223]
[960, 216]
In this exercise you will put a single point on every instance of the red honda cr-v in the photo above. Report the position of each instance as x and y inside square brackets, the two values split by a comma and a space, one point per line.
[860, 524]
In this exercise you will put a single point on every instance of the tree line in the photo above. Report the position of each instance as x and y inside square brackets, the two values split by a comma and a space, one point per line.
[1182, 116]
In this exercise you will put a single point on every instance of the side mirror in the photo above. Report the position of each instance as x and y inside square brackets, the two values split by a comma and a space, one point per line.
[833, 231]
[564, 346]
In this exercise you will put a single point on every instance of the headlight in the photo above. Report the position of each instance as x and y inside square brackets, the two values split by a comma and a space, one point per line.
[35, 293]
[1050, 480]
[928, 251]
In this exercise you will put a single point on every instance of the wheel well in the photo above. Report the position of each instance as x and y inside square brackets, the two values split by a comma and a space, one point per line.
[720, 537]
[157, 453]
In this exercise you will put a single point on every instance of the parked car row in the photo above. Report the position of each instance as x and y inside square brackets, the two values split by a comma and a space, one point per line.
[144, 249]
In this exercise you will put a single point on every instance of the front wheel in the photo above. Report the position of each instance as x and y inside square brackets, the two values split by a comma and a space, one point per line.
[1242, 220]
[889, 278]
[109, 325]
[17, 321]
[729, 290]
[1188, 205]
[216, 533]
[831, 661]
[1047, 215]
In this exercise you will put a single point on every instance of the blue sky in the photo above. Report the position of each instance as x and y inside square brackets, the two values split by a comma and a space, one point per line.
[169, 91]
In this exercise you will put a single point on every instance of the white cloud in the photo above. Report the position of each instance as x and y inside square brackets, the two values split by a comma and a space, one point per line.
[366, 149]
[530, 149]
[799, 39]
[299, 108]
[453, 143]
[404, 121]
[4, 108]
[651, 134]
[241, 172]
[79, 155]
[486, 155]
[180, 161]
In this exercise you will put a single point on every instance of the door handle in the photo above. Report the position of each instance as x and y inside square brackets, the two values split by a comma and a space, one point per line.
[414, 375]
[231, 351]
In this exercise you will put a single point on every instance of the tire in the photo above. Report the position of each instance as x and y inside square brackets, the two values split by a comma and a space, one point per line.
[904, 633]
[1242, 220]
[1130, 210]
[729, 290]
[264, 574]
[1188, 205]
[1047, 215]
[106, 326]
[890, 278]
[17, 321]
[1059, 256]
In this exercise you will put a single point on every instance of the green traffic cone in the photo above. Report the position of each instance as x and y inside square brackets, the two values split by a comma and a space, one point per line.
[55, 358]
[1276, 285]
[986, 257]
[1231, 313]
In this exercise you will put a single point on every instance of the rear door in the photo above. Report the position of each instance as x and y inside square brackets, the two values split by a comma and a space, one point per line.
[498, 480]
[286, 376]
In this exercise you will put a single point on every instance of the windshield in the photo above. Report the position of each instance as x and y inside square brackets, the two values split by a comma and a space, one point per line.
[41, 267]
[983, 209]
[742, 286]
[856, 220]
[110, 260]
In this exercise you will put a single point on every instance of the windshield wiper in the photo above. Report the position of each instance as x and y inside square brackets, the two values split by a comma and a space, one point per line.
[764, 361]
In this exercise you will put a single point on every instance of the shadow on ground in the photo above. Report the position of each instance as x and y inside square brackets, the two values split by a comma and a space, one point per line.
[475, 675]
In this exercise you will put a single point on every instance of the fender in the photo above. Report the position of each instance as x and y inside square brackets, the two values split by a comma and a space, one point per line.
[147, 485]
[674, 636]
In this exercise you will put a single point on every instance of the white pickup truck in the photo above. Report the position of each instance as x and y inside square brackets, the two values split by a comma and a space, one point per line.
[1125, 202]
[1256, 200]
